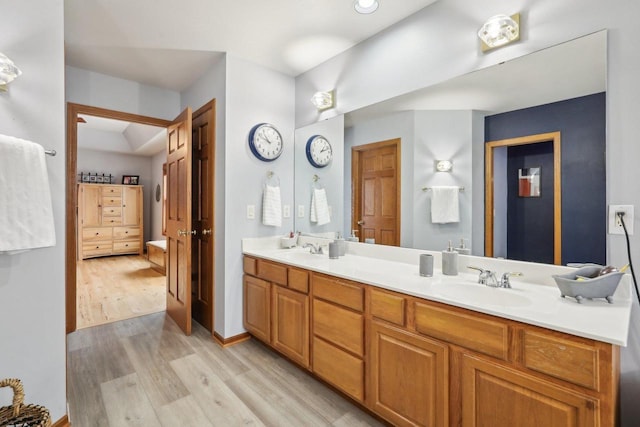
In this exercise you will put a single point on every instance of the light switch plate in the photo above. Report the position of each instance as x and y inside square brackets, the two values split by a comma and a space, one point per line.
[251, 212]
[615, 226]
[286, 211]
[300, 211]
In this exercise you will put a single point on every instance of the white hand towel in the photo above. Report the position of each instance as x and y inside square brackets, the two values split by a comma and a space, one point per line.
[320, 207]
[445, 204]
[271, 206]
[26, 215]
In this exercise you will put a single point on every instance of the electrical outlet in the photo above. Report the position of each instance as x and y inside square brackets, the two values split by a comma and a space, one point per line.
[286, 211]
[251, 212]
[615, 225]
[300, 211]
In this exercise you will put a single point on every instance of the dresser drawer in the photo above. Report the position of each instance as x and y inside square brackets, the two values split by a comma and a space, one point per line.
[339, 368]
[111, 211]
[490, 337]
[126, 232]
[109, 190]
[562, 358]
[111, 201]
[271, 271]
[338, 291]
[126, 246]
[340, 326]
[97, 248]
[96, 234]
[111, 220]
[298, 280]
[389, 307]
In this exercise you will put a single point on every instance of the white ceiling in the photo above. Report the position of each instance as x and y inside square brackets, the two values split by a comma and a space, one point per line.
[170, 43]
[118, 136]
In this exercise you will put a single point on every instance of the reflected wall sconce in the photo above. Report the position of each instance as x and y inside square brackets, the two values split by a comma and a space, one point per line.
[444, 165]
[323, 100]
[8, 72]
[366, 7]
[499, 30]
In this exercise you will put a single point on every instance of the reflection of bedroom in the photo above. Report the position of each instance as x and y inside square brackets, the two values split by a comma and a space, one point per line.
[119, 281]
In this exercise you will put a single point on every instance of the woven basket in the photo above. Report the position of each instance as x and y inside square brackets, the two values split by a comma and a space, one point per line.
[19, 414]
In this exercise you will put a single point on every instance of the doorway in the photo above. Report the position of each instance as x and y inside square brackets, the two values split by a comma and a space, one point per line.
[530, 218]
[205, 272]
[375, 176]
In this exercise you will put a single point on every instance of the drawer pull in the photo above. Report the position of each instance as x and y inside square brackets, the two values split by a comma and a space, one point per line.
[97, 247]
[97, 234]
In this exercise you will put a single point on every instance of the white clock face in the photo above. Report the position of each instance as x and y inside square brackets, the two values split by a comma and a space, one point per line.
[319, 151]
[267, 142]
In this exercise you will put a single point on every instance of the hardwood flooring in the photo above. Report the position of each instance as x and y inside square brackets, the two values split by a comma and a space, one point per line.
[117, 287]
[144, 372]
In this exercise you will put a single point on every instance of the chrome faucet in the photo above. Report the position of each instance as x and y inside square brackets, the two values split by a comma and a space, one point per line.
[488, 278]
[313, 248]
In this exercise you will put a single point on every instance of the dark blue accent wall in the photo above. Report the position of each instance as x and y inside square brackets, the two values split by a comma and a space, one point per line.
[581, 122]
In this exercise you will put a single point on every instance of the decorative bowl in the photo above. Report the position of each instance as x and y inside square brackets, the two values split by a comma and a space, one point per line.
[579, 284]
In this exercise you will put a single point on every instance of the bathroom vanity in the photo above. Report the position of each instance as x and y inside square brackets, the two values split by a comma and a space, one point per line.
[438, 351]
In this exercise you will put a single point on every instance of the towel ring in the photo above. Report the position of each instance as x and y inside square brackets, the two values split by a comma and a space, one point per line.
[316, 183]
[272, 179]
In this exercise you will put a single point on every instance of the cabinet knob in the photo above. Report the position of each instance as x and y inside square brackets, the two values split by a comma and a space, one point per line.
[97, 247]
[97, 234]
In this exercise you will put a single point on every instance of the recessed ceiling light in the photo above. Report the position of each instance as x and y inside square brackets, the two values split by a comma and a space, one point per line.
[366, 6]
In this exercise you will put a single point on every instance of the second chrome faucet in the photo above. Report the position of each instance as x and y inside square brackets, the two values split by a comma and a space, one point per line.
[488, 278]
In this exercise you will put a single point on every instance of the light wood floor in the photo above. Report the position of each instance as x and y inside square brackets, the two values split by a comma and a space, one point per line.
[145, 372]
[117, 287]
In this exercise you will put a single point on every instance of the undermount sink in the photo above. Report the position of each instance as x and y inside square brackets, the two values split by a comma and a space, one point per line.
[300, 254]
[481, 294]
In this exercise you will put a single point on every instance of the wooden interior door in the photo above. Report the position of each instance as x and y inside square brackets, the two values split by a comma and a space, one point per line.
[203, 266]
[179, 227]
[376, 191]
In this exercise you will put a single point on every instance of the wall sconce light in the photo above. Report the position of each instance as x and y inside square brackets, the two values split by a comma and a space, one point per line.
[444, 165]
[499, 30]
[8, 72]
[323, 100]
[366, 6]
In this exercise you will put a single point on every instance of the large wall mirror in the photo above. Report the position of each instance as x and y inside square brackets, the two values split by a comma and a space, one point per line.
[560, 89]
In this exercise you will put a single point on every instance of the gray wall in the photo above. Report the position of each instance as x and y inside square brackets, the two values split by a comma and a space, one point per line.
[156, 207]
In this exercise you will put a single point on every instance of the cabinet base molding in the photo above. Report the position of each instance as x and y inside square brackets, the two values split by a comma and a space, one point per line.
[227, 342]
[62, 422]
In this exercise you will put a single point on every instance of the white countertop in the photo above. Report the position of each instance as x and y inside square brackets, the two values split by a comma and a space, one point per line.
[537, 303]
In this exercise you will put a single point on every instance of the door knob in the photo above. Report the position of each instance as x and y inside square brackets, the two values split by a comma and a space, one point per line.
[361, 222]
[206, 232]
[185, 232]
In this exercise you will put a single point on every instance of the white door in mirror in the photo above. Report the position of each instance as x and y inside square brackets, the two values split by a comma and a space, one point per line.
[319, 151]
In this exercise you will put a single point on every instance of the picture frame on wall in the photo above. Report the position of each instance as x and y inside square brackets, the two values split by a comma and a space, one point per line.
[130, 179]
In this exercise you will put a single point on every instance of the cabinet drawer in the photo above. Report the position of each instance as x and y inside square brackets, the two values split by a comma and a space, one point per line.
[112, 211]
[470, 331]
[126, 232]
[298, 279]
[109, 190]
[388, 307]
[91, 234]
[126, 246]
[111, 220]
[111, 201]
[339, 368]
[339, 292]
[339, 326]
[97, 248]
[271, 271]
[561, 358]
[249, 265]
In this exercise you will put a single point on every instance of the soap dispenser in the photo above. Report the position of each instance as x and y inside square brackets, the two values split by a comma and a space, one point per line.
[462, 249]
[342, 246]
[450, 261]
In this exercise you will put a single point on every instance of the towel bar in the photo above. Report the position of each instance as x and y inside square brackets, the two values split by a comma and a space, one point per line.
[50, 152]
[429, 188]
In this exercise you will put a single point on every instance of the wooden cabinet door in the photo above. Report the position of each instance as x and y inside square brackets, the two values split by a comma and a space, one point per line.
[290, 324]
[493, 395]
[257, 299]
[90, 204]
[409, 382]
[131, 205]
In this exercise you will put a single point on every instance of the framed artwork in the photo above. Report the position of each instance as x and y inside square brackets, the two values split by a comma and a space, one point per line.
[130, 179]
[529, 182]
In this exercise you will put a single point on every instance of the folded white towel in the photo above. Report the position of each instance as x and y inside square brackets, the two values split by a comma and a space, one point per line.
[319, 207]
[271, 206]
[26, 215]
[445, 204]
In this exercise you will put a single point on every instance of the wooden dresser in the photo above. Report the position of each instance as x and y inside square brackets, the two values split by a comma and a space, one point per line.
[109, 220]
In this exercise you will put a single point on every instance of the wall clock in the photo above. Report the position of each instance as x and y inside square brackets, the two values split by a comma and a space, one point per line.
[265, 142]
[319, 152]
